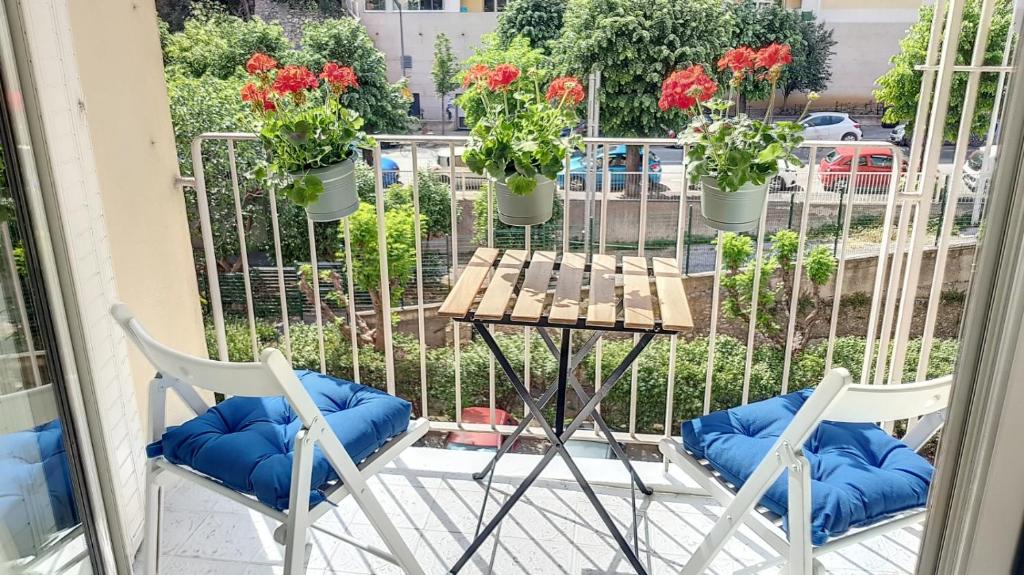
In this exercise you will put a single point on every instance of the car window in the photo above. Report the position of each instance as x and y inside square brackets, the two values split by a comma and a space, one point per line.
[832, 156]
[617, 161]
[833, 120]
[881, 161]
[862, 161]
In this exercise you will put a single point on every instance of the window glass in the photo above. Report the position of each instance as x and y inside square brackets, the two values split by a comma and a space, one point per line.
[425, 5]
[375, 5]
[881, 161]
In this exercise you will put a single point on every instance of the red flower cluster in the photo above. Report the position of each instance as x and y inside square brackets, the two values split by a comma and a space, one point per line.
[294, 79]
[684, 88]
[476, 73]
[339, 78]
[260, 63]
[260, 99]
[501, 76]
[773, 55]
[738, 60]
[567, 89]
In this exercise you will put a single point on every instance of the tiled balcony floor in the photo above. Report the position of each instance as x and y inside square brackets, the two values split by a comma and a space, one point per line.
[434, 501]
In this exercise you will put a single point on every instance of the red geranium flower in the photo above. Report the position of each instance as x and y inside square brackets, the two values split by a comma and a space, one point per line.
[684, 88]
[476, 73]
[340, 78]
[567, 89]
[252, 94]
[294, 79]
[738, 59]
[502, 76]
[259, 63]
[773, 55]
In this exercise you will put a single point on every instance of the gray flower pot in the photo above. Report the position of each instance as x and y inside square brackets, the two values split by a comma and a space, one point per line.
[529, 210]
[737, 211]
[339, 198]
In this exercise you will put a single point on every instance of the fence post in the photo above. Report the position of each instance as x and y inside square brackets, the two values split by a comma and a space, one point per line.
[792, 201]
[688, 238]
[942, 212]
[839, 222]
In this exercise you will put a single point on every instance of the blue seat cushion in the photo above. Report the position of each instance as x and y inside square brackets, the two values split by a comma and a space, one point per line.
[247, 443]
[859, 473]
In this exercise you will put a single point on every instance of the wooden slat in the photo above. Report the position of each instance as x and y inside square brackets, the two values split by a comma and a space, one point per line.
[460, 299]
[601, 307]
[530, 301]
[639, 313]
[565, 307]
[675, 310]
[499, 293]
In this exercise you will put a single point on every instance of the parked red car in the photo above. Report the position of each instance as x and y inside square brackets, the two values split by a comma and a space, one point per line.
[874, 170]
[478, 440]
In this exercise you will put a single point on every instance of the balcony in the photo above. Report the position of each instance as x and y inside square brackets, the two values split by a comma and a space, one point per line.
[280, 281]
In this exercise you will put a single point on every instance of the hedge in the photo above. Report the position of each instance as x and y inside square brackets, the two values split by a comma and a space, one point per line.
[652, 365]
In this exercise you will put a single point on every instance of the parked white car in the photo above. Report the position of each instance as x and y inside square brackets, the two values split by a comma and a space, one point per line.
[899, 135]
[831, 126]
[974, 165]
[786, 179]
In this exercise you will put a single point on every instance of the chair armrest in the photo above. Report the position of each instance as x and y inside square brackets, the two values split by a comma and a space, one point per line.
[158, 403]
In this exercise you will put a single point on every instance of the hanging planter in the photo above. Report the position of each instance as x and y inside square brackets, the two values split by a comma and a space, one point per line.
[517, 141]
[531, 209]
[339, 198]
[731, 155]
[310, 135]
[736, 211]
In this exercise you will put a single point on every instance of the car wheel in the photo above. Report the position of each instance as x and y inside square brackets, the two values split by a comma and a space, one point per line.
[777, 185]
[849, 137]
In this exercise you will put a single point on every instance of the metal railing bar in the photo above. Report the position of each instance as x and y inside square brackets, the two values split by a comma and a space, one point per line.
[353, 333]
[456, 330]
[798, 270]
[279, 264]
[837, 292]
[317, 312]
[421, 326]
[673, 344]
[243, 250]
[492, 206]
[634, 376]
[755, 293]
[209, 252]
[385, 282]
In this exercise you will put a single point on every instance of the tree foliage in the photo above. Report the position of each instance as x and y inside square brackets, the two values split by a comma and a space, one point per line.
[444, 71]
[539, 21]
[811, 69]
[382, 104]
[757, 25]
[900, 87]
[217, 44]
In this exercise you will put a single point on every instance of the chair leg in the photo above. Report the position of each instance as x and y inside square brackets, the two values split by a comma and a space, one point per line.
[154, 501]
[298, 505]
[801, 561]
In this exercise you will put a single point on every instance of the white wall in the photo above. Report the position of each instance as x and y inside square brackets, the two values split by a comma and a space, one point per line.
[464, 30]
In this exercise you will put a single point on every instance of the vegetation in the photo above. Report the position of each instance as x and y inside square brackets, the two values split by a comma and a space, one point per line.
[491, 53]
[808, 366]
[900, 87]
[539, 21]
[444, 71]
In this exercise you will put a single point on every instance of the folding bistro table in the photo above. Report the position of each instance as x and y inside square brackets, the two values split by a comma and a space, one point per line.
[636, 313]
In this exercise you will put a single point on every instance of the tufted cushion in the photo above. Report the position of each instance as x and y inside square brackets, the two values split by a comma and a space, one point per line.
[247, 442]
[859, 473]
[36, 499]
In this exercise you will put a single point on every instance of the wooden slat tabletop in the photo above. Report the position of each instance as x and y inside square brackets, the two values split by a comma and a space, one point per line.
[474, 297]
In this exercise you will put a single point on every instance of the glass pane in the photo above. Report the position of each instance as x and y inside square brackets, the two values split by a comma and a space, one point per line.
[40, 522]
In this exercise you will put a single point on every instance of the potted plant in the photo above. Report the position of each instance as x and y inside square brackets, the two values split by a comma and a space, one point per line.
[732, 155]
[518, 140]
[310, 134]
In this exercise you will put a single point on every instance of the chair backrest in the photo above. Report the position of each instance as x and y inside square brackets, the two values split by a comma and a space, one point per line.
[271, 376]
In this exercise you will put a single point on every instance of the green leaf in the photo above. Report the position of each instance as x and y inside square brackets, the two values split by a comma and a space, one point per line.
[520, 185]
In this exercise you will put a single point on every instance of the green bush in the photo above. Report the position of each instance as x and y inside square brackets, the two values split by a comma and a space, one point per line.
[219, 45]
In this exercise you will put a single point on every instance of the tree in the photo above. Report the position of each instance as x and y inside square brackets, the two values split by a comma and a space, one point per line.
[900, 87]
[443, 72]
[811, 69]
[217, 44]
[381, 103]
[539, 21]
[778, 276]
[758, 25]
[636, 44]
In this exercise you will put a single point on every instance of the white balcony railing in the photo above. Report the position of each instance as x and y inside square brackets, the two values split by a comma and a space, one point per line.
[588, 211]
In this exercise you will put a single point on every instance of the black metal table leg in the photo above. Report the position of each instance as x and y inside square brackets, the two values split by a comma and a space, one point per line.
[563, 378]
[600, 422]
[557, 447]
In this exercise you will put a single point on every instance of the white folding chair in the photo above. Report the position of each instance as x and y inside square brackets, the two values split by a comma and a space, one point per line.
[271, 376]
[836, 399]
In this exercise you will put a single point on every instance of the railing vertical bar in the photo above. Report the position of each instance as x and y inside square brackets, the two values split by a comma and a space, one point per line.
[880, 270]
[713, 327]
[892, 291]
[634, 386]
[243, 250]
[837, 292]
[420, 319]
[526, 330]
[317, 312]
[798, 269]
[566, 187]
[492, 391]
[385, 282]
[755, 293]
[209, 252]
[953, 190]
[275, 227]
[670, 388]
[602, 248]
[19, 299]
[456, 334]
[353, 334]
